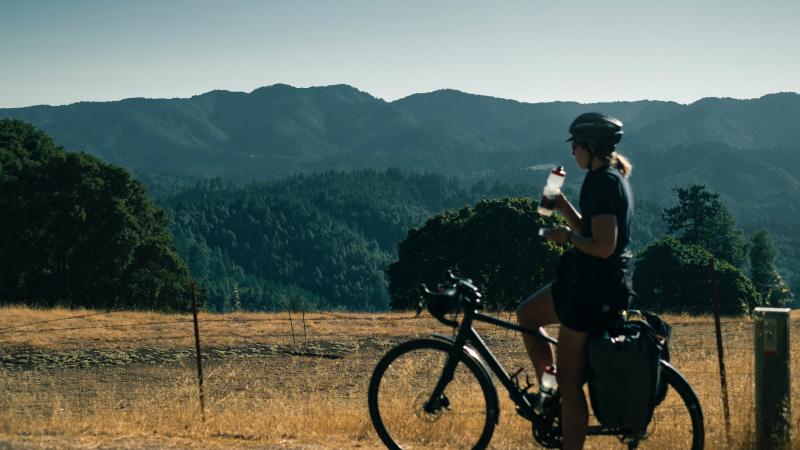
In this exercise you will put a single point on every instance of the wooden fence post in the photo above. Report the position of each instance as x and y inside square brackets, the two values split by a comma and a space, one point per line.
[773, 378]
[291, 324]
[723, 380]
[199, 359]
[305, 333]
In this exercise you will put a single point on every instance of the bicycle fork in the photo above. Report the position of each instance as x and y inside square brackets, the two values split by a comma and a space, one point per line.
[438, 399]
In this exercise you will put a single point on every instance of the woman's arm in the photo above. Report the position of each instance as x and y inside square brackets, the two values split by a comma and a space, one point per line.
[603, 240]
[569, 212]
[601, 243]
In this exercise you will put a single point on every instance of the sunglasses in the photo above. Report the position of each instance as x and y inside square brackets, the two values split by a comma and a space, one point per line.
[577, 144]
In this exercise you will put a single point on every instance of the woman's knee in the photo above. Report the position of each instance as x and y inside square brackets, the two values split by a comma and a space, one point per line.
[523, 306]
[537, 310]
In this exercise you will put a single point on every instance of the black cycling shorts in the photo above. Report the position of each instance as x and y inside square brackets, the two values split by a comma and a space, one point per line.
[579, 309]
[590, 298]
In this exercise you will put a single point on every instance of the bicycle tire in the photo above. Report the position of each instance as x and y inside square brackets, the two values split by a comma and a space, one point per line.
[669, 427]
[401, 383]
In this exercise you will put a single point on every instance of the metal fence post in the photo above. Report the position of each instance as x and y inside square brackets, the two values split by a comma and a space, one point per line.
[773, 380]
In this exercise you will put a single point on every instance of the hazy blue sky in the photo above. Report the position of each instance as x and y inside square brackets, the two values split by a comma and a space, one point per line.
[58, 52]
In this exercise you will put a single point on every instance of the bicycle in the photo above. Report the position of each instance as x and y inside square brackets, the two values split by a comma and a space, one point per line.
[438, 392]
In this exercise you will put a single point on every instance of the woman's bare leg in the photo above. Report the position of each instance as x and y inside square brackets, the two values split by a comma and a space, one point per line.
[571, 375]
[536, 312]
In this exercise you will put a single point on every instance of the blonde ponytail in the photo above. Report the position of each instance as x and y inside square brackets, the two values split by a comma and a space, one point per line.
[622, 164]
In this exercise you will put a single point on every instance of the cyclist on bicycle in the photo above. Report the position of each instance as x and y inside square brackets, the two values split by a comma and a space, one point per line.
[594, 279]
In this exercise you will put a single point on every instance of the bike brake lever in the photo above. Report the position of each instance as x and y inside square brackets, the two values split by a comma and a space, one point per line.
[423, 302]
[455, 278]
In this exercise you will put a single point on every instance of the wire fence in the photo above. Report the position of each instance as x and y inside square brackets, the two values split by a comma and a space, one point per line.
[100, 341]
[690, 335]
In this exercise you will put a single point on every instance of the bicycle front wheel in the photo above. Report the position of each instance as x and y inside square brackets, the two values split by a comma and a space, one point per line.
[401, 386]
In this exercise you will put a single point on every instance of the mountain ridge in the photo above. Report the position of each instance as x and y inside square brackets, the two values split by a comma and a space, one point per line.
[278, 130]
[747, 150]
[449, 90]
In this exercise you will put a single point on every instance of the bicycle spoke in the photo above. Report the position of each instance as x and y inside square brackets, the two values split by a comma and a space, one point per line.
[671, 426]
[405, 389]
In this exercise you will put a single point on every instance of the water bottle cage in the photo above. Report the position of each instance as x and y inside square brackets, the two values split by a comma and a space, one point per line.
[515, 380]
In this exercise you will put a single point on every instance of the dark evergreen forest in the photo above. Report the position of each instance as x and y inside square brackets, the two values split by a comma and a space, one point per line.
[83, 233]
[279, 229]
[326, 240]
[80, 233]
[313, 241]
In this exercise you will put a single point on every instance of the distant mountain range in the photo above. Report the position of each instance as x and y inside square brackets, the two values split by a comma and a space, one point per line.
[746, 150]
[749, 150]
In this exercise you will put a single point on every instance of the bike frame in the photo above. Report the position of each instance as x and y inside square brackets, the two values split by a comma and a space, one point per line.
[467, 333]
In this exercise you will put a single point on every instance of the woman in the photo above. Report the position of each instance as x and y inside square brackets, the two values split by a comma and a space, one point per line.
[594, 280]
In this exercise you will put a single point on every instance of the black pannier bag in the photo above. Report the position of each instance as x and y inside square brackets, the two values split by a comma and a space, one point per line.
[664, 332]
[624, 372]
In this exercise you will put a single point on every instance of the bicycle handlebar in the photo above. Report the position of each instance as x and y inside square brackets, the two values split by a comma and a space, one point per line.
[446, 300]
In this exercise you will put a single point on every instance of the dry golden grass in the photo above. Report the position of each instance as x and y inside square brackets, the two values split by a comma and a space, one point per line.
[128, 380]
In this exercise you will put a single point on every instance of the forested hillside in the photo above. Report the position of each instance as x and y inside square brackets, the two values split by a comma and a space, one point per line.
[323, 240]
[341, 176]
[280, 130]
[747, 150]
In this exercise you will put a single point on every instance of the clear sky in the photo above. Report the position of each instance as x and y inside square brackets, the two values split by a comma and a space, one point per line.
[63, 51]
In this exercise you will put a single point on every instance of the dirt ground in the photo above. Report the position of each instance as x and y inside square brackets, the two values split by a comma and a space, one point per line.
[129, 380]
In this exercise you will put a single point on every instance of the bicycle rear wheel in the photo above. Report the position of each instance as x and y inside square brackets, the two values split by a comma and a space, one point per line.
[402, 383]
[678, 420]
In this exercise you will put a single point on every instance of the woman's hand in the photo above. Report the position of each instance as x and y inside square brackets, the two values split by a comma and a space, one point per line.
[559, 235]
[562, 204]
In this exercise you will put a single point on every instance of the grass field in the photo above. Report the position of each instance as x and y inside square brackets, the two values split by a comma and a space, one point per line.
[129, 380]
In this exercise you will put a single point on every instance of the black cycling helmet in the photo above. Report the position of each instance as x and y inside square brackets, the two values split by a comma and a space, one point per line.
[599, 129]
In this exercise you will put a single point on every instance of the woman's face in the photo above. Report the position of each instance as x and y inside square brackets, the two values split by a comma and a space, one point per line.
[581, 154]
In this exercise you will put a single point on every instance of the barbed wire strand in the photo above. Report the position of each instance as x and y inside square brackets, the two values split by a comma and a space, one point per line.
[57, 320]
[91, 327]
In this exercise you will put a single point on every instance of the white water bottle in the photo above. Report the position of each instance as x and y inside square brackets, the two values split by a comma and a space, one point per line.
[547, 388]
[549, 382]
[553, 187]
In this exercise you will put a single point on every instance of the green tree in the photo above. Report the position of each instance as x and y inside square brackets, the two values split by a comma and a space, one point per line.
[325, 237]
[674, 277]
[766, 279]
[79, 232]
[495, 243]
[701, 219]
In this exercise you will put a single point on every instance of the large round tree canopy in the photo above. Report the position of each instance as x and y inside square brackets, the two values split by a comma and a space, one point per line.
[496, 243]
[78, 232]
[674, 277]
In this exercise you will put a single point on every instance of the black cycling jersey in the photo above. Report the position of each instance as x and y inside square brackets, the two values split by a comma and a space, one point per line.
[606, 191]
[590, 291]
